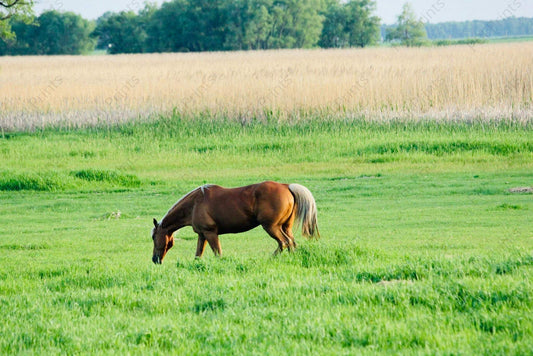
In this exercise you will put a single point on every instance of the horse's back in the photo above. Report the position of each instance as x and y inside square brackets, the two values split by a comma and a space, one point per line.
[249, 198]
[240, 209]
[272, 191]
[263, 190]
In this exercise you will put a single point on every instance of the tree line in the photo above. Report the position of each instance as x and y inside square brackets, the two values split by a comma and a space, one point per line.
[202, 25]
[508, 27]
[219, 25]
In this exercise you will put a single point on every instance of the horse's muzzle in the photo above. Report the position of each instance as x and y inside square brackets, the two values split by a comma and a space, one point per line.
[156, 259]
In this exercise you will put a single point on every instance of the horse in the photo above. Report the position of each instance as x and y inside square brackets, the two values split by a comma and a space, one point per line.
[212, 210]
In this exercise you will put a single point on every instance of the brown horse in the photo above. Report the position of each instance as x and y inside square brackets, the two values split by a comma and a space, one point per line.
[212, 210]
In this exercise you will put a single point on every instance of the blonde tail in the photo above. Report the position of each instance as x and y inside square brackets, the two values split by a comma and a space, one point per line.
[306, 212]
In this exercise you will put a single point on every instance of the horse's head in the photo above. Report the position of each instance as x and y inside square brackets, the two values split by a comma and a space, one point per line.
[163, 241]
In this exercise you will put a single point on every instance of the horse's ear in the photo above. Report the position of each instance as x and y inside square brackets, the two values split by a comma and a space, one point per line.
[155, 222]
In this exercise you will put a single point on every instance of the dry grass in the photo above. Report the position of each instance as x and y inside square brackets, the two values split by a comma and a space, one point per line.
[486, 81]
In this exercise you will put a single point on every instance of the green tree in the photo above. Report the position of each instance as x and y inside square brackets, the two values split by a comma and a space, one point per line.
[183, 25]
[120, 33]
[18, 45]
[409, 31]
[295, 24]
[363, 28]
[350, 24]
[209, 25]
[14, 10]
[62, 33]
[249, 24]
[259, 28]
[334, 32]
[51, 33]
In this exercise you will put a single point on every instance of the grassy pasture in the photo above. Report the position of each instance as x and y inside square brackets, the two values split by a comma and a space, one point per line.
[424, 250]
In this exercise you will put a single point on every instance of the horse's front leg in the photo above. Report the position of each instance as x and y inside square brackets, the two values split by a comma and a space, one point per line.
[200, 247]
[214, 242]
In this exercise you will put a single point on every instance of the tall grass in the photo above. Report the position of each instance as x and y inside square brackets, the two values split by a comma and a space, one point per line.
[175, 149]
[492, 81]
[57, 181]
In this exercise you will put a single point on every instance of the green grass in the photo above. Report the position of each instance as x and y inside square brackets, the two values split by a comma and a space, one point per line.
[463, 41]
[424, 250]
[525, 38]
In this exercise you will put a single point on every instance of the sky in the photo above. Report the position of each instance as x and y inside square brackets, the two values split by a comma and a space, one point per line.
[432, 11]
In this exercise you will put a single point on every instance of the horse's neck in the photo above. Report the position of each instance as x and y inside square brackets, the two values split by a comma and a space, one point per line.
[180, 214]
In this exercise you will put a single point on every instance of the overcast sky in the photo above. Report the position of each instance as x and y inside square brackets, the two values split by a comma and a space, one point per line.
[428, 10]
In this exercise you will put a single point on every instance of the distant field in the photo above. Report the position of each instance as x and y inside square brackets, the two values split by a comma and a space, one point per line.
[424, 249]
[492, 81]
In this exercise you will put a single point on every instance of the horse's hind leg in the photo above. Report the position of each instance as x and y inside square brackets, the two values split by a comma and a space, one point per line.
[287, 231]
[277, 234]
[291, 245]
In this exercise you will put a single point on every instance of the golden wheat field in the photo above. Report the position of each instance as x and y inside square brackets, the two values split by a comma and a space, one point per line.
[492, 81]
